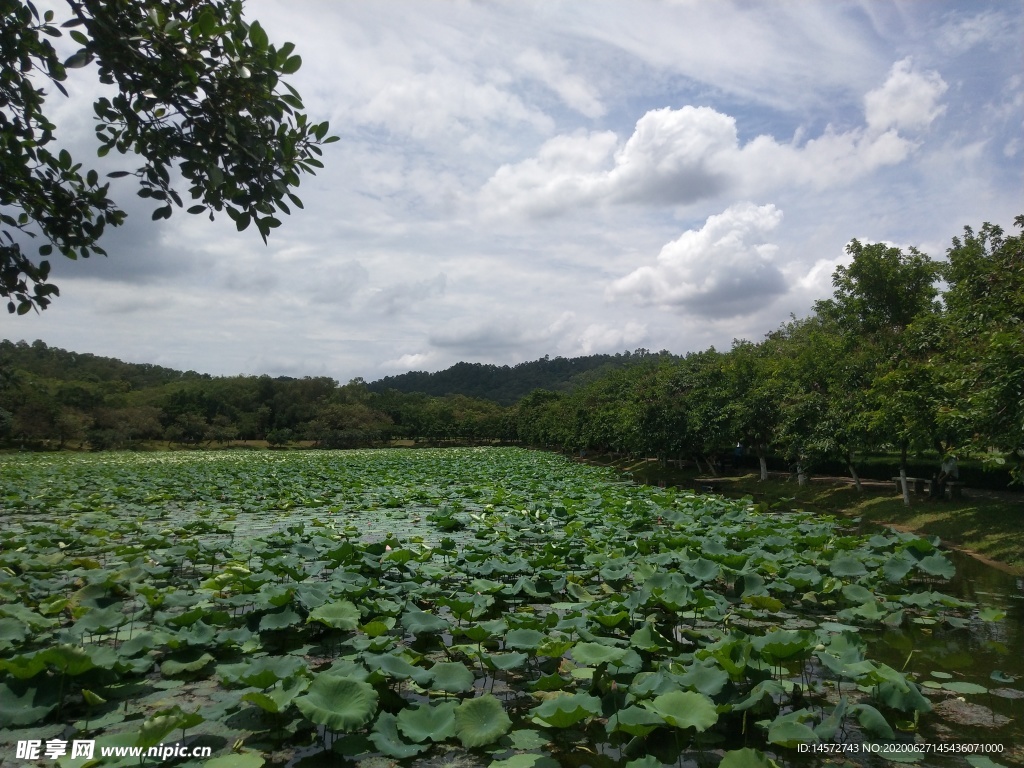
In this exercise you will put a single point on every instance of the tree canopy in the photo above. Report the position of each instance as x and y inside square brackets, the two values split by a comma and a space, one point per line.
[196, 92]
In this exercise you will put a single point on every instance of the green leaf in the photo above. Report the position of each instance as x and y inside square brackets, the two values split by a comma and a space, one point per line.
[339, 615]
[524, 639]
[746, 758]
[236, 760]
[991, 613]
[291, 65]
[844, 565]
[964, 688]
[424, 722]
[566, 709]
[685, 709]
[174, 668]
[636, 721]
[594, 654]
[422, 623]
[451, 677]
[481, 721]
[339, 703]
[937, 565]
[872, 721]
[525, 760]
[386, 738]
[789, 733]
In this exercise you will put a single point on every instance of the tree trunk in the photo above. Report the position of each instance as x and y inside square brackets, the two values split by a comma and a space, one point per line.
[763, 460]
[903, 475]
[711, 466]
[801, 475]
[700, 469]
[854, 475]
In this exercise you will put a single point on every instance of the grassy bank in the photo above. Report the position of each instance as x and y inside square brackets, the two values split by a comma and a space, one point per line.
[984, 523]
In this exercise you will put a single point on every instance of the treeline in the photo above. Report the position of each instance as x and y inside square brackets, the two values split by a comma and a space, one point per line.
[51, 398]
[506, 384]
[909, 355]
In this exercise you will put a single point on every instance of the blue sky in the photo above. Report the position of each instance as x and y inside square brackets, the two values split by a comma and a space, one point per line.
[519, 179]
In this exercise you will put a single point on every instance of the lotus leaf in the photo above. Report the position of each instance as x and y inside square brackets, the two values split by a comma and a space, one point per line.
[790, 730]
[339, 615]
[236, 760]
[436, 723]
[451, 677]
[339, 703]
[23, 705]
[937, 565]
[872, 721]
[419, 622]
[506, 661]
[565, 709]
[176, 668]
[279, 620]
[481, 721]
[964, 688]
[594, 654]
[386, 738]
[706, 678]
[845, 565]
[524, 639]
[685, 709]
[525, 760]
[636, 721]
[746, 758]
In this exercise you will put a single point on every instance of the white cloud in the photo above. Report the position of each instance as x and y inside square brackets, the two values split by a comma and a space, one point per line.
[724, 269]
[603, 339]
[413, 361]
[553, 71]
[437, 104]
[682, 156]
[908, 100]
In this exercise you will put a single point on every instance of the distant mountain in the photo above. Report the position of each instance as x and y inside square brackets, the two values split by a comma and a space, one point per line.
[506, 384]
[61, 365]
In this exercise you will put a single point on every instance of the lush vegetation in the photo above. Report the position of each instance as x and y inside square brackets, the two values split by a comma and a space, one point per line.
[508, 384]
[428, 603]
[889, 364]
[909, 358]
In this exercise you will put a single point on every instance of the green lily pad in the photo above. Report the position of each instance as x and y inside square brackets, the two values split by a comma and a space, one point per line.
[339, 703]
[236, 760]
[747, 758]
[481, 721]
[686, 709]
[339, 615]
[964, 687]
[451, 677]
[566, 709]
[436, 723]
[386, 738]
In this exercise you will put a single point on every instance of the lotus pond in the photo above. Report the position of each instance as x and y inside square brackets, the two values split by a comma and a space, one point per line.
[479, 607]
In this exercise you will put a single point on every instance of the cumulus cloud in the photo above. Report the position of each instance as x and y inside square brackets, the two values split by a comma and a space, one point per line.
[680, 156]
[724, 269]
[412, 361]
[908, 100]
[597, 338]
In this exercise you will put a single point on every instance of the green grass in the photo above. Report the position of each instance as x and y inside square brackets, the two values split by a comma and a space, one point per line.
[987, 524]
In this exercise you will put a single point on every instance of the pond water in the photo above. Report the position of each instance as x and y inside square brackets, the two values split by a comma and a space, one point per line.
[987, 653]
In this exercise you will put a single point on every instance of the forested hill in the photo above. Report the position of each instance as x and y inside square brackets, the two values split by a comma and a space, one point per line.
[58, 364]
[507, 384]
